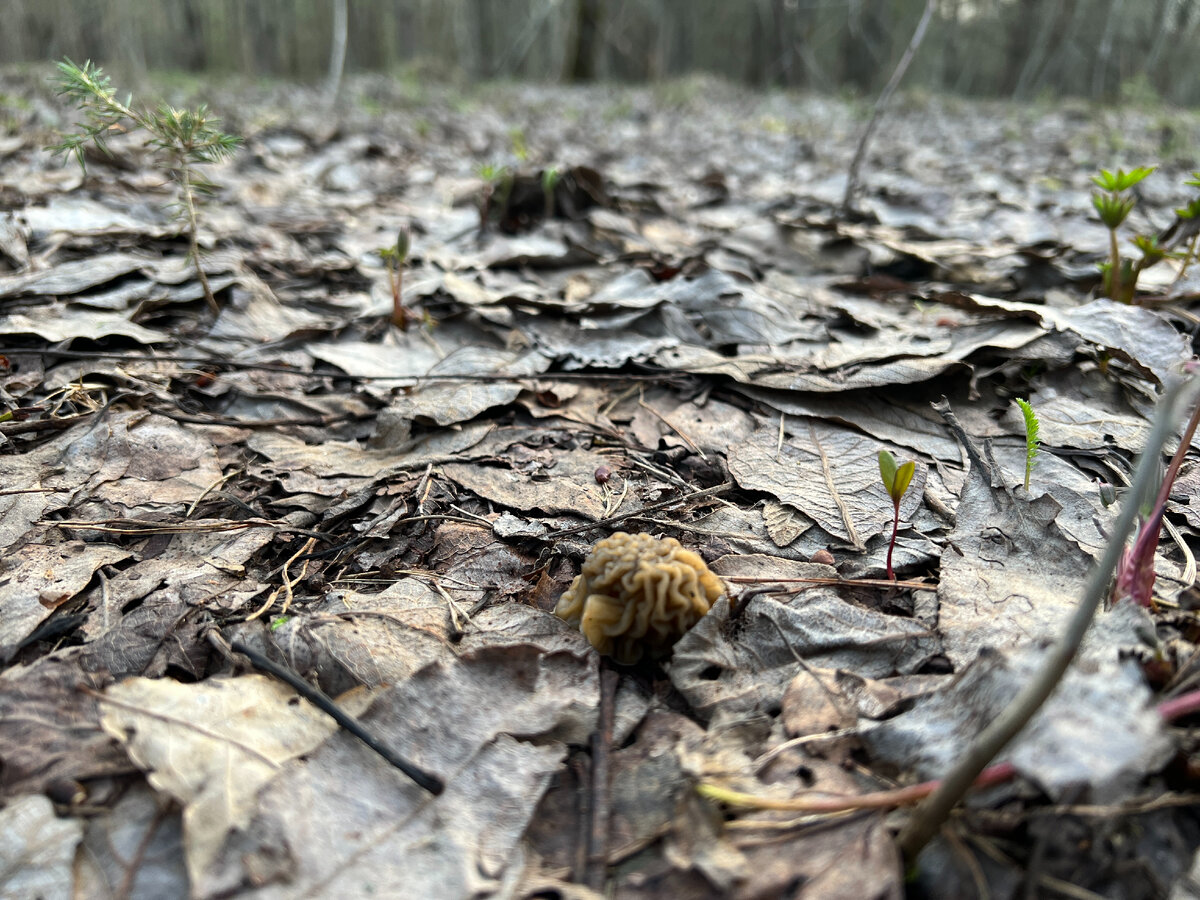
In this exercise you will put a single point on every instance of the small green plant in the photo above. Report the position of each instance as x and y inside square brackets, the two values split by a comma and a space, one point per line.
[1189, 218]
[395, 257]
[497, 185]
[896, 480]
[182, 140]
[520, 147]
[1031, 437]
[550, 179]
[1114, 203]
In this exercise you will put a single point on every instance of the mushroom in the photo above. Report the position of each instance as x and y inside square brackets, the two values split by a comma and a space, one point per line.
[638, 594]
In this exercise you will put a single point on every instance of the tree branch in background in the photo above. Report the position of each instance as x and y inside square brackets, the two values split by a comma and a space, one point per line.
[881, 103]
[337, 51]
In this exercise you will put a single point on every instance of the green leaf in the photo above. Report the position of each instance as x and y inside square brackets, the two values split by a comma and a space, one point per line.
[1112, 209]
[887, 469]
[896, 479]
[1151, 252]
[1121, 180]
[904, 477]
[1032, 442]
[1190, 211]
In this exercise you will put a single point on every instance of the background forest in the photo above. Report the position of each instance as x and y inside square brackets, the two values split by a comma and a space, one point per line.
[1020, 49]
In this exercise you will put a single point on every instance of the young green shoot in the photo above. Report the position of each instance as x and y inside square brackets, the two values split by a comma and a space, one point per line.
[181, 140]
[494, 177]
[1189, 216]
[550, 179]
[1113, 204]
[520, 148]
[896, 480]
[1031, 437]
[395, 256]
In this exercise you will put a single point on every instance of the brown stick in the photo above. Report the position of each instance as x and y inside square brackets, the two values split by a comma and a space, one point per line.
[597, 843]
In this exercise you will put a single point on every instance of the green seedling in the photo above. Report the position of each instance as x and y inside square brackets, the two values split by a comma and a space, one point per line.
[550, 179]
[1031, 437]
[181, 139]
[1113, 204]
[520, 148]
[395, 257]
[896, 480]
[1189, 217]
[497, 185]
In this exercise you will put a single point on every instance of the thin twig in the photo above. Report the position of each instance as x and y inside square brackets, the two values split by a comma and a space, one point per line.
[832, 803]
[606, 523]
[679, 431]
[318, 698]
[831, 485]
[849, 582]
[597, 835]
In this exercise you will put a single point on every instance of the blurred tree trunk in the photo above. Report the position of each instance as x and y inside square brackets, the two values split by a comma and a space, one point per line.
[1024, 23]
[1104, 84]
[192, 55]
[785, 43]
[950, 62]
[862, 44]
[482, 12]
[581, 52]
[1053, 31]
[756, 68]
[1165, 21]
[337, 52]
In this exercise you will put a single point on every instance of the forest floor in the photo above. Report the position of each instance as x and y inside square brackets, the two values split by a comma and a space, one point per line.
[687, 338]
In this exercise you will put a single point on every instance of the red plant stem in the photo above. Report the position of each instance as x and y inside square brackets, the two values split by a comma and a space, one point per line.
[905, 796]
[892, 544]
[1177, 460]
[1135, 575]
[1178, 707]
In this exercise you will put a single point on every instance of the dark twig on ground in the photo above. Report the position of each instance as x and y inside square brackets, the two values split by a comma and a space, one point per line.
[319, 699]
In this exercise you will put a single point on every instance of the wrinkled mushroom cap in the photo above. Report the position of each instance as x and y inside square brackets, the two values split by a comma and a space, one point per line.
[638, 594]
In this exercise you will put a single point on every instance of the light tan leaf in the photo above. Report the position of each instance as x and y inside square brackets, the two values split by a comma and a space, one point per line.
[211, 746]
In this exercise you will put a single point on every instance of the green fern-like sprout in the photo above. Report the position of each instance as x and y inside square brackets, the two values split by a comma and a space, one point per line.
[1031, 437]
[181, 139]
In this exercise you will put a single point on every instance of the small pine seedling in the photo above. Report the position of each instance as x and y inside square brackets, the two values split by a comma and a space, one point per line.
[182, 140]
[1031, 437]
[896, 480]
